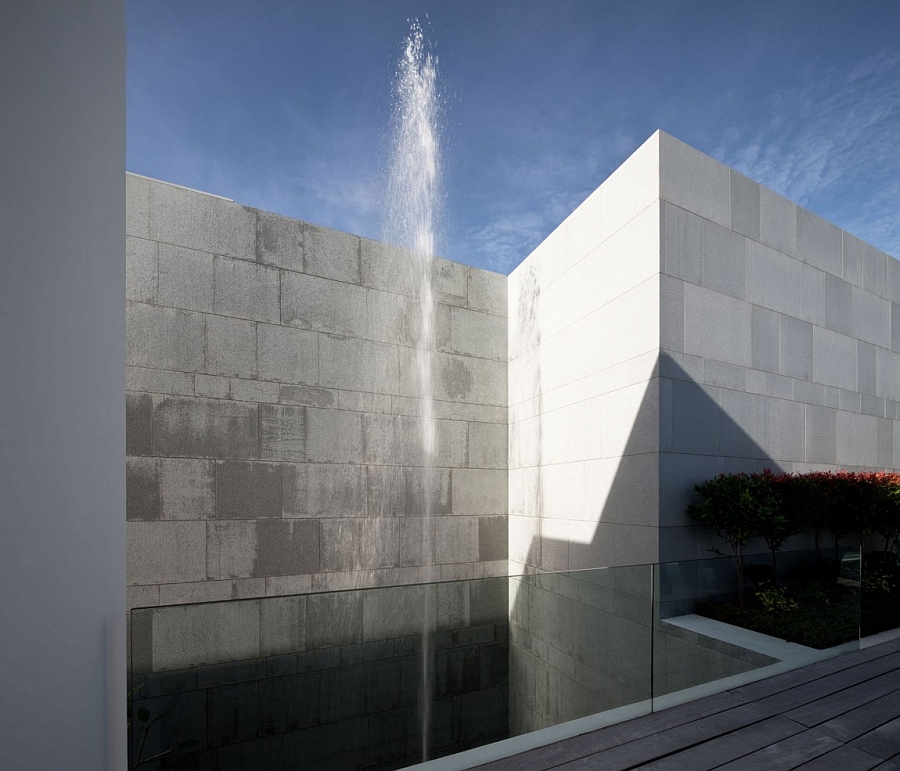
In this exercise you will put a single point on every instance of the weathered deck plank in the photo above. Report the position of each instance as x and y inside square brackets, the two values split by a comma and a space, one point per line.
[842, 713]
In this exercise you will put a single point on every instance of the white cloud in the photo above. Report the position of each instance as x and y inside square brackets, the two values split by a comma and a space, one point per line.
[831, 146]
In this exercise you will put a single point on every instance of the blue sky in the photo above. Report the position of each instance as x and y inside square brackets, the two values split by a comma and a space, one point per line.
[285, 104]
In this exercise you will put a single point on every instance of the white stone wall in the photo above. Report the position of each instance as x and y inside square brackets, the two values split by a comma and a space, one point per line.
[779, 339]
[583, 412]
[682, 322]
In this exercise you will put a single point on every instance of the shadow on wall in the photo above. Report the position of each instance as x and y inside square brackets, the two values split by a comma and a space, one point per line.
[587, 641]
[680, 436]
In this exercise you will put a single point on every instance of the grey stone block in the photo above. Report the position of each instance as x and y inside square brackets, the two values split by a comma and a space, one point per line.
[137, 206]
[159, 381]
[773, 279]
[719, 373]
[334, 436]
[724, 260]
[895, 327]
[695, 419]
[819, 242]
[282, 432]
[416, 541]
[796, 348]
[203, 222]
[187, 488]
[452, 444]
[340, 545]
[392, 318]
[777, 222]
[449, 281]
[142, 488]
[683, 244]
[318, 490]
[716, 326]
[458, 378]
[694, 181]
[387, 268]
[395, 611]
[764, 338]
[248, 490]
[141, 269]
[887, 374]
[308, 397]
[489, 601]
[198, 635]
[358, 365]
[744, 205]
[875, 274]
[379, 543]
[247, 290]
[671, 313]
[164, 338]
[386, 492]
[885, 434]
[212, 386]
[474, 333]
[893, 279]
[393, 440]
[244, 390]
[287, 547]
[786, 428]
[871, 318]
[359, 544]
[323, 305]
[334, 618]
[871, 405]
[204, 428]
[852, 259]
[279, 241]
[809, 393]
[360, 401]
[331, 254]
[849, 400]
[480, 492]
[493, 538]
[230, 549]
[288, 355]
[746, 425]
[426, 491]
[196, 591]
[185, 278]
[857, 439]
[865, 367]
[230, 347]
[282, 625]
[138, 417]
[838, 305]
[487, 445]
[456, 539]
[812, 295]
[487, 291]
[166, 552]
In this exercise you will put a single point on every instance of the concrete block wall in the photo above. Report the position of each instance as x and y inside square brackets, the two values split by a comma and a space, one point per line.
[272, 410]
[584, 320]
[779, 339]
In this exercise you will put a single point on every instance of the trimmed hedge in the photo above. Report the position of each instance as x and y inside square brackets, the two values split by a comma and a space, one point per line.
[774, 507]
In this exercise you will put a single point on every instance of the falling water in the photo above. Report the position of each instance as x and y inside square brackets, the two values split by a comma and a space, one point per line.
[411, 218]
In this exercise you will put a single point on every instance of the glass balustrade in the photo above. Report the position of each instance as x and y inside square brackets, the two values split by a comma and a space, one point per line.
[386, 677]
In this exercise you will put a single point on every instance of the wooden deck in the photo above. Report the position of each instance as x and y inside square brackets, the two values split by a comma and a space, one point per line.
[842, 713]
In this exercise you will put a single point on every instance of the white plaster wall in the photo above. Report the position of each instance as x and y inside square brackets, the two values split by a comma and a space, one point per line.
[583, 401]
